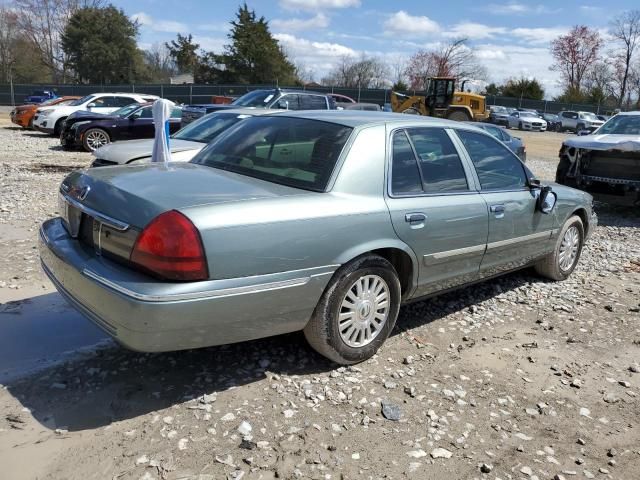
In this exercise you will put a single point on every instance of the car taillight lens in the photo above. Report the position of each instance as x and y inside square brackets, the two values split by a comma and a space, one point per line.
[170, 248]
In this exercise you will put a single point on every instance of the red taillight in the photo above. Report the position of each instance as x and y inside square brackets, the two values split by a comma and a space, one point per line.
[170, 248]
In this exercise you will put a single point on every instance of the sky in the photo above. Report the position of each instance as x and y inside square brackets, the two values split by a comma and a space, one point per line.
[511, 38]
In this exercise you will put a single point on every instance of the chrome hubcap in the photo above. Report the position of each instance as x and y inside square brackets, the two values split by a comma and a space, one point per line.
[364, 311]
[96, 140]
[569, 248]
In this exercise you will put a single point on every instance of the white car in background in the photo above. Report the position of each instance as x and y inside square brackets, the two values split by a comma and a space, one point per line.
[184, 144]
[49, 119]
[527, 121]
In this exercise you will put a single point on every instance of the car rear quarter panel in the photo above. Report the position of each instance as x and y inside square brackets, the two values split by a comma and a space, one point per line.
[309, 230]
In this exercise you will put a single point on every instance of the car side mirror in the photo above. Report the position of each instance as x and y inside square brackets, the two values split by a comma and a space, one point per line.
[283, 104]
[534, 183]
[582, 133]
[547, 200]
[90, 106]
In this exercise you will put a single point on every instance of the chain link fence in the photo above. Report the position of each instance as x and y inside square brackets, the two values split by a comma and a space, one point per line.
[190, 94]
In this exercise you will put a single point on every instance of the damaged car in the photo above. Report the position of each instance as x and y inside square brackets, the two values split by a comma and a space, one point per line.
[605, 163]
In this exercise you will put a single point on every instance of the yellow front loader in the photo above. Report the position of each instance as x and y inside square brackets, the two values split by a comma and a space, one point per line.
[442, 101]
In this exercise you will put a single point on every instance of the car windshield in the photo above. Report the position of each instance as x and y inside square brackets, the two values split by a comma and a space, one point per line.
[38, 93]
[296, 152]
[621, 125]
[205, 129]
[50, 101]
[551, 117]
[528, 114]
[124, 111]
[498, 109]
[589, 116]
[257, 98]
[80, 101]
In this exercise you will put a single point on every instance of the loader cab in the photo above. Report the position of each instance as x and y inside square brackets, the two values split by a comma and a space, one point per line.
[440, 93]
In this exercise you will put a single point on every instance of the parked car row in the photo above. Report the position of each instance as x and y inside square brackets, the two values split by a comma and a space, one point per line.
[320, 221]
[532, 120]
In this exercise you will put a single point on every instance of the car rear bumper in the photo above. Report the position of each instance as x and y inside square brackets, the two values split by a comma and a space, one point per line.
[148, 315]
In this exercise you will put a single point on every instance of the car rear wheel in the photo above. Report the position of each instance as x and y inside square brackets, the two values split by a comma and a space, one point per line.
[559, 264]
[357, 311]
[95, 138]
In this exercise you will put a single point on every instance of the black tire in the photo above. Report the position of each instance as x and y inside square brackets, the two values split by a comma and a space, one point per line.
[58, 127]
[579, 127]
[520, 126]
[322, 331]
[550, 266]
[563, 168]
[88, 135]
[458, 116]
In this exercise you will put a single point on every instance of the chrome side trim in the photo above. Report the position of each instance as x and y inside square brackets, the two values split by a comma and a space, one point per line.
[111, 222]
[441, 257]
[524, 238]
[224, 292]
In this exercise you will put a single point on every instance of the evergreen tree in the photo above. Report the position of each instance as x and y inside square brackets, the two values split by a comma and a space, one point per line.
[183, 51]
[254, 56]
[100, 44]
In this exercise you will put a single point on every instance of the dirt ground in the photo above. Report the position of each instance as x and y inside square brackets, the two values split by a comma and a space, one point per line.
[516, 378]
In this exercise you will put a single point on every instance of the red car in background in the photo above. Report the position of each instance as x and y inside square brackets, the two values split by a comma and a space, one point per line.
[23, 114]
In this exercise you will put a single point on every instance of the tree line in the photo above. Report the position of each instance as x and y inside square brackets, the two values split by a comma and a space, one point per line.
[89, 41]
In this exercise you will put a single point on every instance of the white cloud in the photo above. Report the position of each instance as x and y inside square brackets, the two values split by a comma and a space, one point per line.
[514, 8]
[212, 44]
[473, 31]
[538, 36]
[296, 24]
[506, 61]
[403, 24]
[315, 5]
[148, 21]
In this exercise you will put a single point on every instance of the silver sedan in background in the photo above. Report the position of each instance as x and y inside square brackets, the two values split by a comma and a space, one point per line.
[527, 121]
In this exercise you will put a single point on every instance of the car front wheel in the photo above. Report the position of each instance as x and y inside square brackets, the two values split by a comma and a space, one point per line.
[95, 138]
[559, 264]
[357, 311]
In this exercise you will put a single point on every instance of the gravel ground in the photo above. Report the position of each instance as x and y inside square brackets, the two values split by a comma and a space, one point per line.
[516, 378]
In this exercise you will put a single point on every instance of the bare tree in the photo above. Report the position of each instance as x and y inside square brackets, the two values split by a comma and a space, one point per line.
[362, 72]
[574, 54]
[43, 22]
[454, 59]
[160, 63]
[8, 38]
[626, 30]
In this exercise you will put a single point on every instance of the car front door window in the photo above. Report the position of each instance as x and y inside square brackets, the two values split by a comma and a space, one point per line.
[495, 164]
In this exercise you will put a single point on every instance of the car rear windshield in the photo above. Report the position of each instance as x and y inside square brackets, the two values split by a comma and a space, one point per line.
[622, 125]
[296, 152]
[257, 98]
[205, 129]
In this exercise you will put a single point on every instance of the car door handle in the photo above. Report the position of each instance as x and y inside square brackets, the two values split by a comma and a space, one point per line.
[415, 219]
[497, 210]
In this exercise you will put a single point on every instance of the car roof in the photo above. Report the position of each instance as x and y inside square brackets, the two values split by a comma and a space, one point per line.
[357, 118]
[634, 113]
[248, 111]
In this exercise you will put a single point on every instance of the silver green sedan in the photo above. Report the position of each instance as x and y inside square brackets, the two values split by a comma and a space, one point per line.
[318, 221]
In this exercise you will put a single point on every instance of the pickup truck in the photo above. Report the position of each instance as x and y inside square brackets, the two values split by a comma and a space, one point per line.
[39, 96]
[284, 99]
[577, 121]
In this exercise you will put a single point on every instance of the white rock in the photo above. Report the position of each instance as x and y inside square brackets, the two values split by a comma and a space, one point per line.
[417, 453]
[245, 428]
[441, 453]
[182, 443]
[142, 460]
[229, 417]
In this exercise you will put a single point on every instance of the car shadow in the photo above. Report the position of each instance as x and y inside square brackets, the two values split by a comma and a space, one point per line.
[610, 215]
[109, 384]
[32, 134]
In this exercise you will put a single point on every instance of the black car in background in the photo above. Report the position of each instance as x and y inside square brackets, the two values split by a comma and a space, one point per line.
[554, 123]
[93, 130]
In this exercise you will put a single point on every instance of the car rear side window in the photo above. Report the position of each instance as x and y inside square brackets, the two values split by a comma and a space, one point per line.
[313, 102]
[296, 152]
[405, 176]
[440, 166]
[497, 167]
